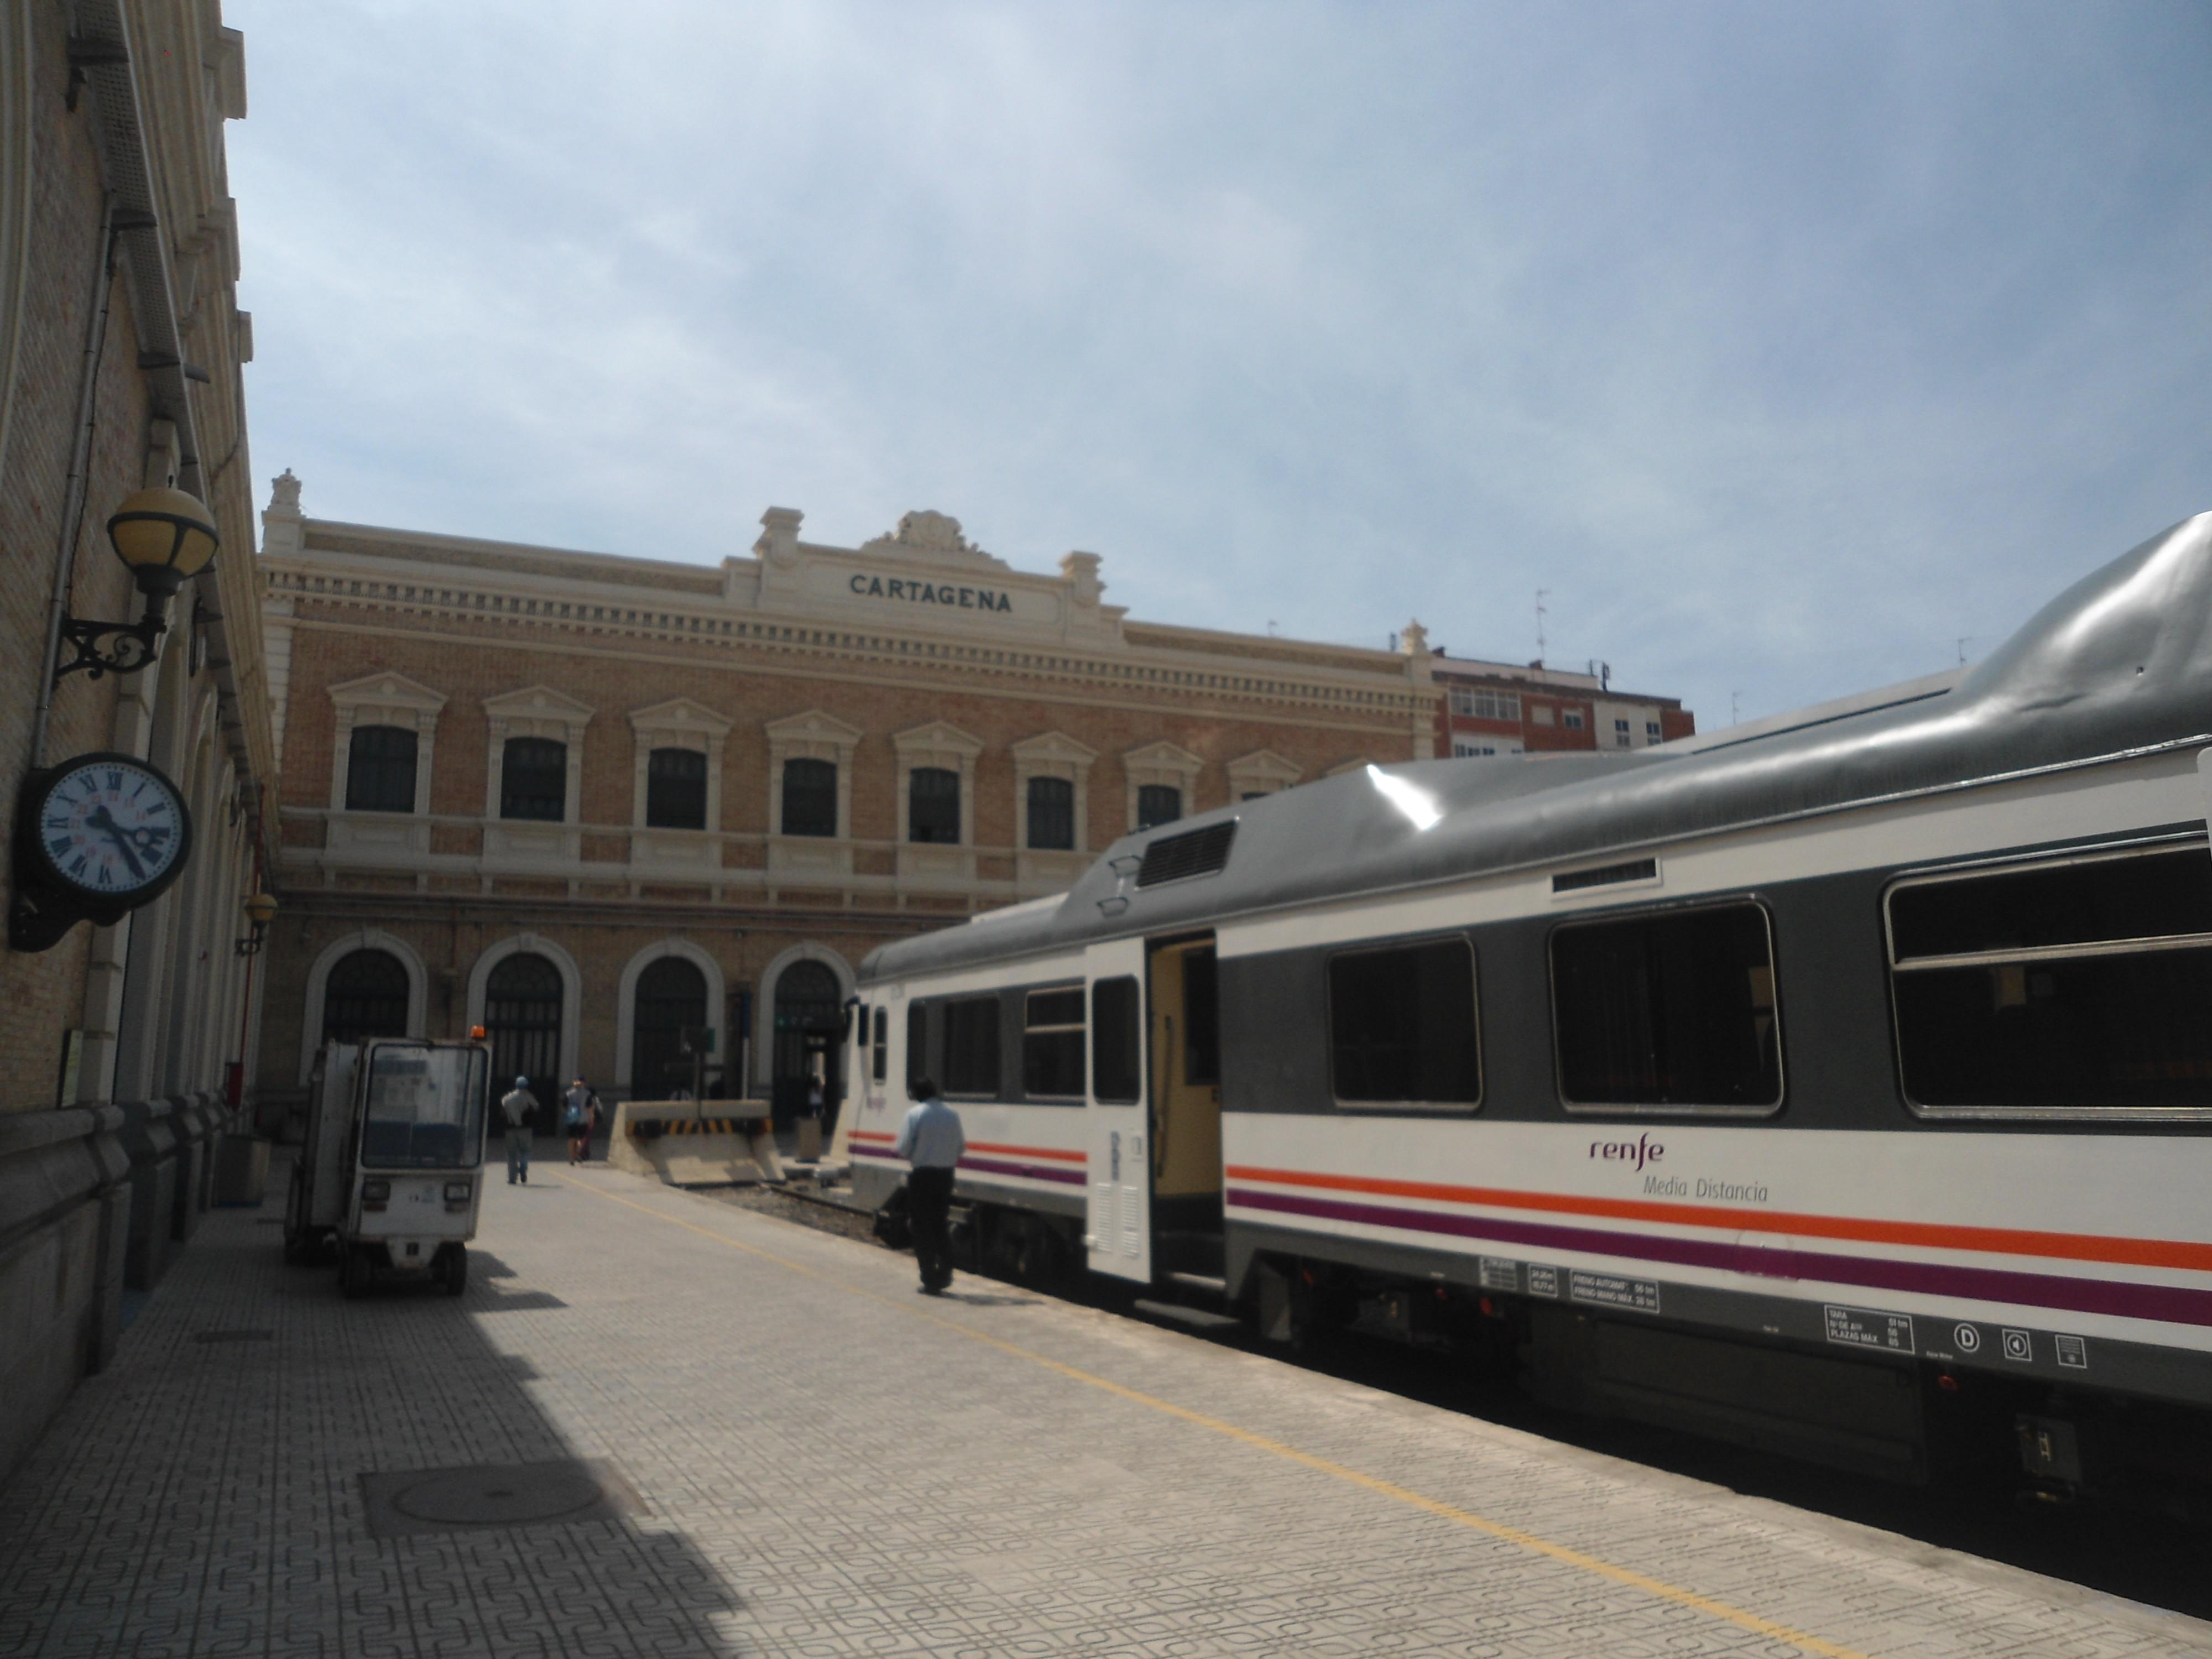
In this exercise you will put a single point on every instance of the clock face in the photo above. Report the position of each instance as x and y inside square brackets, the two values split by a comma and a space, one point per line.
[113, 826]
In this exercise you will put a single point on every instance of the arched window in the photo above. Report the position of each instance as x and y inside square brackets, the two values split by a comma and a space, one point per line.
[1052, 814]
[365, 996]
[1159, 803]
[380, 770]
[934, 806]
[809, 798]
[522, 1017]
[676, 789]
[533, 779]
[672, 993]
[808, 1023]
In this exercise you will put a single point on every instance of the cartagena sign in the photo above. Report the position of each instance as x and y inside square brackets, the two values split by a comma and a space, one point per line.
[943, 593]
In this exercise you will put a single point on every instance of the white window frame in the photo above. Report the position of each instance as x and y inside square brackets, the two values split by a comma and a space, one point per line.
[535, 711]
[1161, 762]
[1263, 772]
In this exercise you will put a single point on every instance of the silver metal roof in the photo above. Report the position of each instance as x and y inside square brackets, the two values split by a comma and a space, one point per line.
[2121, 661]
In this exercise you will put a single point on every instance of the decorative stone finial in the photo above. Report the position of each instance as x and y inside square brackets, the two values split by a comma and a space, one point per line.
[1414, 639]
[778, 540]
[938, 532]
[1081, 570]
[284, 493]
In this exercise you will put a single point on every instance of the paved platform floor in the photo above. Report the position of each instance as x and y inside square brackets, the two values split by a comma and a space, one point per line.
[823, 1462]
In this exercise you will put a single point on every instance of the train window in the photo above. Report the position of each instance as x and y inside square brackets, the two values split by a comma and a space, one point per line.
[1401, 1025]
[1052, 1045]
[1669, 1010]
[2070, 988]
[971, 1046]
[917, 1044]
[1116, 1075]
[879, 1051]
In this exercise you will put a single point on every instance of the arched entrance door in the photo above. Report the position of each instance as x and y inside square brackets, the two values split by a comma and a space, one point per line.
[522, 1018]
[365, 996]
[807, 1020]
[672, 993]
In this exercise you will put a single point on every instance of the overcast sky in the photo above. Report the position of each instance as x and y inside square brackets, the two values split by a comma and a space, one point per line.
[1785, 344]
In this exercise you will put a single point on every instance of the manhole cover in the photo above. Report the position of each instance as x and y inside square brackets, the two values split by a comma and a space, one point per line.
[233, 1336]
[494, 1495]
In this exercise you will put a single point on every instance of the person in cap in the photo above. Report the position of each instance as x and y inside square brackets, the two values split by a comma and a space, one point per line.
[932, 1141]
[520, 1107]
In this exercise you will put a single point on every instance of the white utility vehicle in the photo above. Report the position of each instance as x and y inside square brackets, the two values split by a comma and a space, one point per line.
[392, 1170]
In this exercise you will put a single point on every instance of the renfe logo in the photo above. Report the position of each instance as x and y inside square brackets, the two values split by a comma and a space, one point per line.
[1639, 1151]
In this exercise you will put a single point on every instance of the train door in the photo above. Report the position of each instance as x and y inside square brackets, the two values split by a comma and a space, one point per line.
[1117, 1212]
[1185, 1083]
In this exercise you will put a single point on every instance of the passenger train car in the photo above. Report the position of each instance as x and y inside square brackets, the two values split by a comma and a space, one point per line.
[1794, 1087]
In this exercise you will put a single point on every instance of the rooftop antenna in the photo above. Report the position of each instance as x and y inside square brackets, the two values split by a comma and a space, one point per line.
[1966, 639]
[1735, 708]
[1542, 593]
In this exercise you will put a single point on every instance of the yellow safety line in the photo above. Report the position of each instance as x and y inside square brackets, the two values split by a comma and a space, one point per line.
[1562, 1553]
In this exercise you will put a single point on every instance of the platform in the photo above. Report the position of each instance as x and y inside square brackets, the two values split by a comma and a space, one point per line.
[754, 1438]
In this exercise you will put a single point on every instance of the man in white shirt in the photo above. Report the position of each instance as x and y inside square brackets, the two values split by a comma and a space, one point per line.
[520, 1107]
[932, 1141]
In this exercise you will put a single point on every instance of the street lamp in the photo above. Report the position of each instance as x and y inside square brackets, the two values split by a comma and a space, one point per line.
[164, 538]
[260, 911]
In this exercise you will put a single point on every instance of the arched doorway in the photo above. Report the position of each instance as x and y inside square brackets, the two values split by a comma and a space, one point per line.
[522, 1018]
[672, 993]
[807, 1022]
[365, 996]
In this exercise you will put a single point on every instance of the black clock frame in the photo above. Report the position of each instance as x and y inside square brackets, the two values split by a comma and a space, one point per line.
[47, 904]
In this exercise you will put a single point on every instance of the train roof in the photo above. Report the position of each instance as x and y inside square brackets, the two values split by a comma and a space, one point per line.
[2119, 663]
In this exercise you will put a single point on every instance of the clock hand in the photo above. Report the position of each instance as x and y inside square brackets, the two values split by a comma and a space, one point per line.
[99, 819]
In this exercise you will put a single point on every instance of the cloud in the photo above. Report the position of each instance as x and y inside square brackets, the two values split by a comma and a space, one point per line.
[1783, 347]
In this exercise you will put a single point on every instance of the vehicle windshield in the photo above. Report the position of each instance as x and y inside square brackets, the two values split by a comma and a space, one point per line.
[425, 1107]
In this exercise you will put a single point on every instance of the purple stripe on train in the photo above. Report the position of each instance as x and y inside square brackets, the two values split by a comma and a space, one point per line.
[991, 1166]
[2170, 1304]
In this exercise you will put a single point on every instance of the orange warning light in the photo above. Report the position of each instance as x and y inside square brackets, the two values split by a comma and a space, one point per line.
[478, 1032]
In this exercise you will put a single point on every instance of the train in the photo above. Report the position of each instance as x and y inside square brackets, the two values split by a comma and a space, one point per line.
[1839, 1085]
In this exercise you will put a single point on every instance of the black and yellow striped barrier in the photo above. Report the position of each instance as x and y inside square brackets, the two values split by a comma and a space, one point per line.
[653, 1128]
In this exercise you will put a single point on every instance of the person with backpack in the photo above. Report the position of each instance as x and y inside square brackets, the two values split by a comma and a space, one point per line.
[519, 1108]
[579, 1115]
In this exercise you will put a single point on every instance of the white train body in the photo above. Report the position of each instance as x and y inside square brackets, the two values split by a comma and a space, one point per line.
[1877, 1048]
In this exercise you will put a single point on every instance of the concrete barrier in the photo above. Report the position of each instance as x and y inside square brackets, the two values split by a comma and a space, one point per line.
[713, 1143]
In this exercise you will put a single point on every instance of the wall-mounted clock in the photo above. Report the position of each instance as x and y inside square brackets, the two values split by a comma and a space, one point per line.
[96, 837]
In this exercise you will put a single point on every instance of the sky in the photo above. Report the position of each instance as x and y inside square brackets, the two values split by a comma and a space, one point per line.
[1786, 347]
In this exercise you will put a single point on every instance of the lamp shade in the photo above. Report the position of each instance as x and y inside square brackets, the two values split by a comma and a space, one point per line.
[165, 536]
[261, 909]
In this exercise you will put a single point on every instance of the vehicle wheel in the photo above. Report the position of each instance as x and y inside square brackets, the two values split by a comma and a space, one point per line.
[457, 1269]
[353, 1272]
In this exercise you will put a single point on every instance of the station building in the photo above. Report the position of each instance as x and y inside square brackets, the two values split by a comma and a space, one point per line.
[1491, 708]
[120, 353]
[591, 802]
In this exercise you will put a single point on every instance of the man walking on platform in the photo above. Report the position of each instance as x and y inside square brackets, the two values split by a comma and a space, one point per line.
[931, 1140]
[520, 1107]
[579, 1115]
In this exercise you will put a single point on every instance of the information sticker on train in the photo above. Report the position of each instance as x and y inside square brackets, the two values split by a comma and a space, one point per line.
[1863, 1328]
[1497, 1275]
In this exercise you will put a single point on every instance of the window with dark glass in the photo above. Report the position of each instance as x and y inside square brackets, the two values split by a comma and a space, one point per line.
[809, 798]
[671, 998]
[1116, 1075]
[533, 779]
[1673, 1010]
[380, 770]
[365, 996]
[1052, 814]
[971, 1045]
[917, 1044]
[934, 806]
[1157, 804]
[880, 1048]
[1401, 1025]
[676, 789]
[1201, 1017]
[2079, 986]
[1052, 1045]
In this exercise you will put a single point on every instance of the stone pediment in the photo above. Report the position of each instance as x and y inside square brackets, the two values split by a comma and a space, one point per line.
[935, 538]
[813, 727]
[389, 690]
[1054, 746]
[538, 702]
[679, 714]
